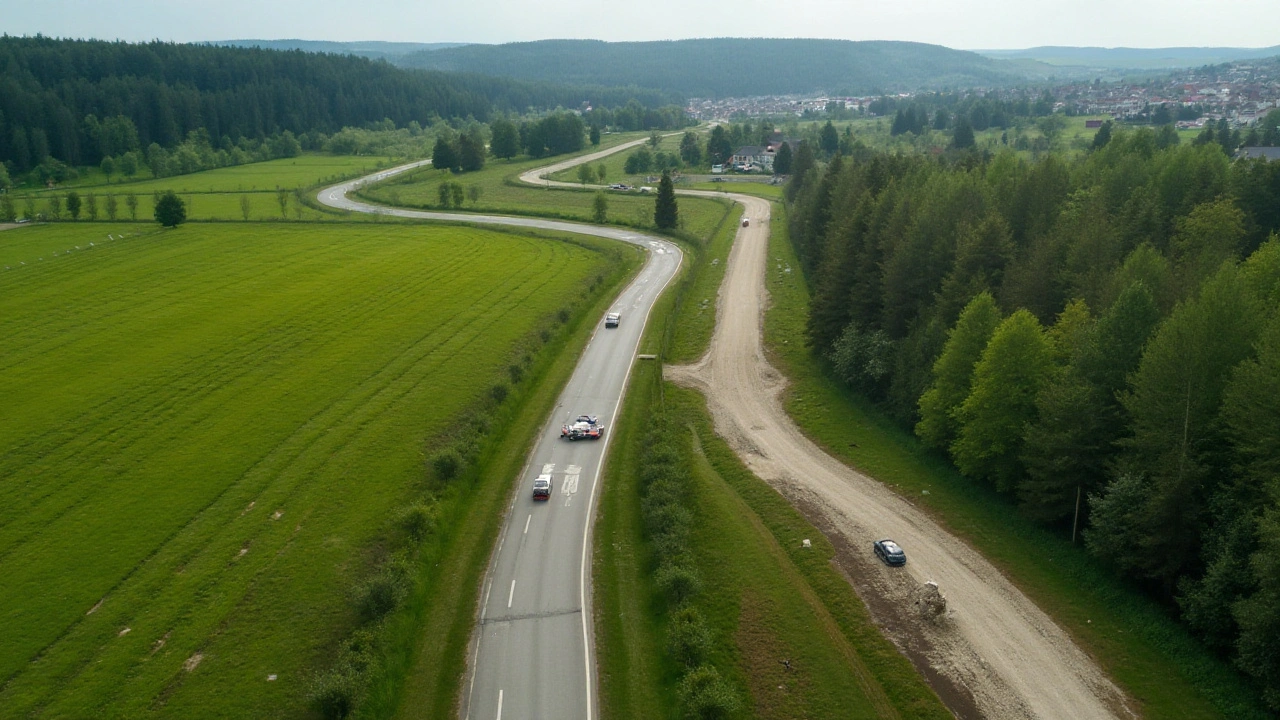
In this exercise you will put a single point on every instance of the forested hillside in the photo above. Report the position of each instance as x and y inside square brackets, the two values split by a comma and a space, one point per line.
[1103, 330]
[734, 66]
[80, 101]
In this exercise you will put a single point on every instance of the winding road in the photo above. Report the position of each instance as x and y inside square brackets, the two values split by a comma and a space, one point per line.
[995, 655]
[533, 644]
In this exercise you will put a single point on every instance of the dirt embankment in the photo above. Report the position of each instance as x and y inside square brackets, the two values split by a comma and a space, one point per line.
[993, 651]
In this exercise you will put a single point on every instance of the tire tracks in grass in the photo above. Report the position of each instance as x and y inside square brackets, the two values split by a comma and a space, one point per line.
[209, 373]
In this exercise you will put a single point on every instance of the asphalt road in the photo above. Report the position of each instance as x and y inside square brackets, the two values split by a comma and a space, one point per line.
[533, 645]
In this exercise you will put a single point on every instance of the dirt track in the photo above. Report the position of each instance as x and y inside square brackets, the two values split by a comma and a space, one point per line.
[995, 653]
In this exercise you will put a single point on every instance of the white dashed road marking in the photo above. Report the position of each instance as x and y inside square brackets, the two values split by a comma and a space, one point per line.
[511, 595]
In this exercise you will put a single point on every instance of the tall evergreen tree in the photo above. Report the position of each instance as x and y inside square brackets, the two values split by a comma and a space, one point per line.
[962, 137]
[1175, 452]
[829, 139]
[782, 160]
[666, 215]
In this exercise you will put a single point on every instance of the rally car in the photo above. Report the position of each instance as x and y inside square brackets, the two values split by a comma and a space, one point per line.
[584, 427]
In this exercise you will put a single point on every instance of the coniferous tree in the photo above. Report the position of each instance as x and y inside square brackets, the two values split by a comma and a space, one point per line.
[829, 139]
[1175, 449]
[666, 215]
[962, 137]
[782, 160]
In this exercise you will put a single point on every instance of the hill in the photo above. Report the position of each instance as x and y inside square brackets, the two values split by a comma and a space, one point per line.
[1122, 58]
[51, 88]
[373, 49]
[736, 66]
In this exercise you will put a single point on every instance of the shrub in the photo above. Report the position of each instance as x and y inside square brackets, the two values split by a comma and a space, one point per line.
[563, 315]
[704, 695]
[447, 464]
[688, 637]
[499, 392]
[516, 372]
[334, 694]
[677, 580]
[384, 591]
[665, 518]
[419, 520]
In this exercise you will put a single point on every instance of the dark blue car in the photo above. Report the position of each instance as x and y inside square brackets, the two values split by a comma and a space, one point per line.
[889, 552]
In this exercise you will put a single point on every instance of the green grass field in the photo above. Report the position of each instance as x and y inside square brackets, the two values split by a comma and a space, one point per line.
[306, 170]
[501, 192]
[205, 428]
[1148, 654]
[217, 194]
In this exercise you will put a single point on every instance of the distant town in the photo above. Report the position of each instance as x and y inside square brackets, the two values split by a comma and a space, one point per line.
[1241, 93]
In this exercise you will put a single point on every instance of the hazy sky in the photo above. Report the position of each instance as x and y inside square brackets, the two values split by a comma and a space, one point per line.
[987, 24]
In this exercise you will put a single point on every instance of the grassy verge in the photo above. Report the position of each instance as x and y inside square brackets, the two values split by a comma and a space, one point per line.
[426, 664]
[690, 336]
[1134, 640]
[762, 188]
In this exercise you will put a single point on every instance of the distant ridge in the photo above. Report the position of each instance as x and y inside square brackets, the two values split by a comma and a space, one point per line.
[370, 48]
[1122, 58]
[737, 66]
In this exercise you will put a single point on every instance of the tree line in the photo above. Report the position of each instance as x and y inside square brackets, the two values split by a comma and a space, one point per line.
[82, 101]
[1097, 338]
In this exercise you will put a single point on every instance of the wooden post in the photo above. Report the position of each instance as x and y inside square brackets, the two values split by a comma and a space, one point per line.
[1076, 519]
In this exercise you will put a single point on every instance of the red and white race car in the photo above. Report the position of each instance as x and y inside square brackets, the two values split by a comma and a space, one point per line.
[584, 427]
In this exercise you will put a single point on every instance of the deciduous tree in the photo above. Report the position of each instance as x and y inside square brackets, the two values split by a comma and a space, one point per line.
[953, 371]
[1006, 380]
[170, 210]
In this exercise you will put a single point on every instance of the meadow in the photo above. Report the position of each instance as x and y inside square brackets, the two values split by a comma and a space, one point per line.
[305, 170]
[208, 429]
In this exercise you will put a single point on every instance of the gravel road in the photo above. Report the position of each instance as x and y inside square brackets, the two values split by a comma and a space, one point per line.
[994, 654]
